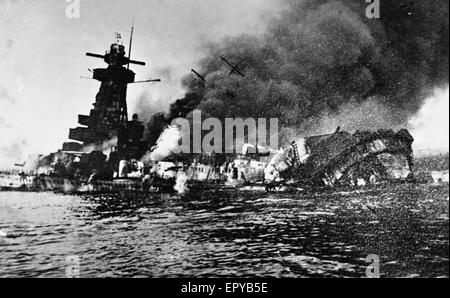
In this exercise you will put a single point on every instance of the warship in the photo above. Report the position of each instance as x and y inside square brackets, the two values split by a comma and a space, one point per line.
[105, 153]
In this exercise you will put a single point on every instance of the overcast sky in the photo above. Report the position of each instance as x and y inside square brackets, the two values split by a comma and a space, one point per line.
[42, 56]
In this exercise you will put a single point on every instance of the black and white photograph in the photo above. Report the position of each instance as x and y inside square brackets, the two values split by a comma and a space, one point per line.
[203, 140]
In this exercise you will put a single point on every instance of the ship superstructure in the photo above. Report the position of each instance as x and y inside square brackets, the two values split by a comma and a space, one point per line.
[108, 119]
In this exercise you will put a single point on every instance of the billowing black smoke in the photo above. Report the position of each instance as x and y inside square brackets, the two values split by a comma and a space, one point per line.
[323, 59]
[179, 109]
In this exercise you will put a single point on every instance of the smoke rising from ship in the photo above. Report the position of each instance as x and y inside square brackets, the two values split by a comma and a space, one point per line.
[165, 145]
[181, 183]
[324, 63]
[430, 126]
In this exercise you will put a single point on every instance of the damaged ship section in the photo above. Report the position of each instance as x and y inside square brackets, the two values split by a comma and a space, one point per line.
[345, 159]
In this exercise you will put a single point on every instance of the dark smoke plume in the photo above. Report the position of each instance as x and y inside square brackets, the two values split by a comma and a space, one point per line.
[324, 59]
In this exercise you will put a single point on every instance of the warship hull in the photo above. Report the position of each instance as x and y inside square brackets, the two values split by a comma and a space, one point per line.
[337, 160]
[12, 182]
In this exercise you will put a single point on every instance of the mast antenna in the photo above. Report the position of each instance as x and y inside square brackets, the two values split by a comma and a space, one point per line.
[131, 43]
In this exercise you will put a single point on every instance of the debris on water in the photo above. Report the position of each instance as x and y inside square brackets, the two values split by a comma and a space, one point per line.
[371, 209]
